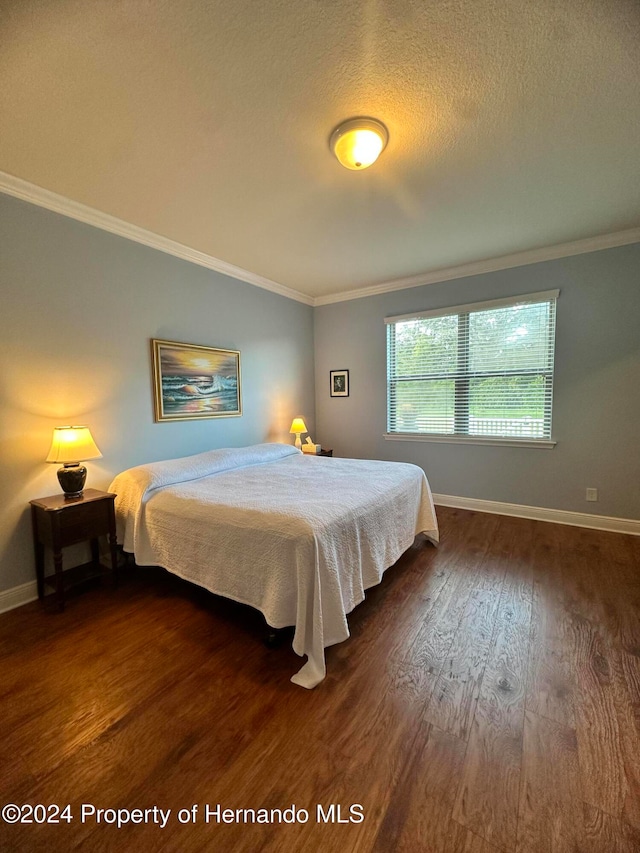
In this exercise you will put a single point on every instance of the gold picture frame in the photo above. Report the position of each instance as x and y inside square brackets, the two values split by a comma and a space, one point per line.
[192, 382]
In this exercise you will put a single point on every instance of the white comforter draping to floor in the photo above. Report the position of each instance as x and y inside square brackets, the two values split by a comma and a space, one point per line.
[298, 537]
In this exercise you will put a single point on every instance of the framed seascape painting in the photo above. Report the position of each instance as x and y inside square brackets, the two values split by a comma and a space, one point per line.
[339, 383]
[192, 382]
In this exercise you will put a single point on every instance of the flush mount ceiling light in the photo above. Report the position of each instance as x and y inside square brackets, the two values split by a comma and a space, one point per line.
[358, 142]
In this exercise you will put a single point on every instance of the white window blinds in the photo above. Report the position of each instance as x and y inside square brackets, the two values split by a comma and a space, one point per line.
[475, 370]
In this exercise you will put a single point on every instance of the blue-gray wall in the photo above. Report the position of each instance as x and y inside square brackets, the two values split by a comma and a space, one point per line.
[596, 409]
[78, 308]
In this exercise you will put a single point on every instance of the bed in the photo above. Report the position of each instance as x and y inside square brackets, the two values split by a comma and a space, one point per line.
[296, 536]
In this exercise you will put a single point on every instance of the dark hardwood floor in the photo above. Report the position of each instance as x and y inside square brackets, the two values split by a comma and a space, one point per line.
[488, 700]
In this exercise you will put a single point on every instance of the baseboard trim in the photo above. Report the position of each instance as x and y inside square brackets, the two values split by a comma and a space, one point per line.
[17, 596]
[26, 592]
[538, 513]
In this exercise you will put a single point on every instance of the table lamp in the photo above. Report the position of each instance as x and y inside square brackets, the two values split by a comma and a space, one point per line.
[298, 427]
[70, 445]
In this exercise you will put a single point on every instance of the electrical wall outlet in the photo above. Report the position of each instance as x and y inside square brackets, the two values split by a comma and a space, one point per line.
[592, 494]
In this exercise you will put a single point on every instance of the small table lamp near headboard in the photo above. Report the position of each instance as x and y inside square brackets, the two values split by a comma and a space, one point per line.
[297, 428]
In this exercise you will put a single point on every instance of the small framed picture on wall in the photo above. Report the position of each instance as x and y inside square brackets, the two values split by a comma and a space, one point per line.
[339, 383]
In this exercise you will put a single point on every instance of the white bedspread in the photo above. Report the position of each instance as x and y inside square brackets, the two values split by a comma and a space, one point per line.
[298, 537]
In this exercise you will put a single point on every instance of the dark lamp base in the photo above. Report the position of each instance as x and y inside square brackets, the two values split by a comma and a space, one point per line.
[72, 479]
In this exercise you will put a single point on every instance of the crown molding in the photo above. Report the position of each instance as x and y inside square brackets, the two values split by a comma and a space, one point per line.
[19, 188]
[26, 191]
[518, 259]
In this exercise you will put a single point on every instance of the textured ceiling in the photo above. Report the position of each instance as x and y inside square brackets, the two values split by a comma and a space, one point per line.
[514, 124]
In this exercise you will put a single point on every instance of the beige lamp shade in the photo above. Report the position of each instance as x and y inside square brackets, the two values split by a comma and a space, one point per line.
[72, 444]
[298, 426]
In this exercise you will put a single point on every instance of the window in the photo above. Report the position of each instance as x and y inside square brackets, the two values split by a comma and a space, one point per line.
[483, 370]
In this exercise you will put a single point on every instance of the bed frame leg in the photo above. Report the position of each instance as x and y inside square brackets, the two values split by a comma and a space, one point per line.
[275, 637]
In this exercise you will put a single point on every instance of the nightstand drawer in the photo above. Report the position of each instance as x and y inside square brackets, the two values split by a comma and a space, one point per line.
[80, 522]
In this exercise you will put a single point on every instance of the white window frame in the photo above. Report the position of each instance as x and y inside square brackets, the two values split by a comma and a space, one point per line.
[461, 437]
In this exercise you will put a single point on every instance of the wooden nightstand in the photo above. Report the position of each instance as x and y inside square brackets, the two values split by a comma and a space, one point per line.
[59, 522]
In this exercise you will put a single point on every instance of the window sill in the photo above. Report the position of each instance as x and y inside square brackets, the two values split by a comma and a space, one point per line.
[539, 443]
